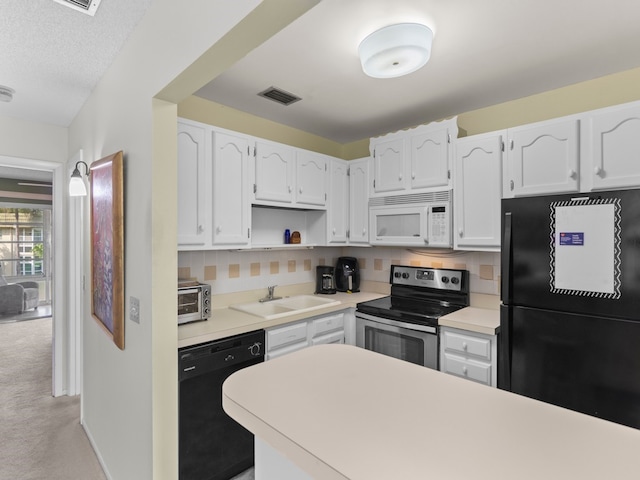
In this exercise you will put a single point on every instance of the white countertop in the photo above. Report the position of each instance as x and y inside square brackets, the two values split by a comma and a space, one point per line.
[342, 412]
[480, 320]
[225, 322]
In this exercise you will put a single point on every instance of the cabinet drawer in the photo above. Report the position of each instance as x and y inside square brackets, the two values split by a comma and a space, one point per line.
[320, 326]
[466, 368]
[278, 352]
[333, 337]
[285, 335]
[467, 344]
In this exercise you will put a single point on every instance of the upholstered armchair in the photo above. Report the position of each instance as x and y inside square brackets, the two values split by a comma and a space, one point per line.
[18, 297]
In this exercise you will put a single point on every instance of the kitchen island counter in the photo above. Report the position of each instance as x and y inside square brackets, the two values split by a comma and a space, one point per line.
[358, 415]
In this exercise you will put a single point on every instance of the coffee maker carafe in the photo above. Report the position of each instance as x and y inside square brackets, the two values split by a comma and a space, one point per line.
[325, 280]
[347, 275]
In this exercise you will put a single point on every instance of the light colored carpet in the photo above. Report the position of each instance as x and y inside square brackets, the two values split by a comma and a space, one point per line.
[40, 436]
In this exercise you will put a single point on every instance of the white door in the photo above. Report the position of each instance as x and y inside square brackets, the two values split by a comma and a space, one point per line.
[359, 201]
[274, 172]
[477, 192]
[231, 207]
[616, 147]
[430, 159]
[311, 178]
[338, 205]
[388, 170]
[543, 158]
[193, 174]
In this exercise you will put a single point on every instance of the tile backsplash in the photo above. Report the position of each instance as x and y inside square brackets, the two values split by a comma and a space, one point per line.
[231, 271]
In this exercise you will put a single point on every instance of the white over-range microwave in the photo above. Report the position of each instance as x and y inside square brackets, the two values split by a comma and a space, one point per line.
[415, 219]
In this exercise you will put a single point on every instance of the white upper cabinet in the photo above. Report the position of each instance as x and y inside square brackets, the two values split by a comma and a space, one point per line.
[311, 178]
[288, 176]
[338, 204]
[430, 159]
[231, 207]
[613, 159]
[275, 170]
[194, 224]
[478, 191]
[543, 158]
[413, 161]
[359, 201]
[388, 161]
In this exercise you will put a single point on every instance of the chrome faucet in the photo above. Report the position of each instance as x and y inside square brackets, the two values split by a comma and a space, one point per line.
[269, 297]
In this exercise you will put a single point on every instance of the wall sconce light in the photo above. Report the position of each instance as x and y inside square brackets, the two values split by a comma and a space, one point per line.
[396, 50]
[77, 187]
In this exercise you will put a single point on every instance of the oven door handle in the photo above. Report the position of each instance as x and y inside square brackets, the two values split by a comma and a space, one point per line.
[396, 323]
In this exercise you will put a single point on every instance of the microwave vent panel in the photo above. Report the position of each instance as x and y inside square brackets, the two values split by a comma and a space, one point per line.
[85, 6]
[413, 198]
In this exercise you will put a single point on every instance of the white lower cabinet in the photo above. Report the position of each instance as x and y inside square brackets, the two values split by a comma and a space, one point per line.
[469, 355]
[311, 331]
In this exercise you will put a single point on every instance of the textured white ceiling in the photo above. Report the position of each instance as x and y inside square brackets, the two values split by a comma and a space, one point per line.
[53, 56]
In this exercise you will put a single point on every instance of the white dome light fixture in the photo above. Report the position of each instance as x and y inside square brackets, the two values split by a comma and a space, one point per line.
[396, 50]
[6, 94]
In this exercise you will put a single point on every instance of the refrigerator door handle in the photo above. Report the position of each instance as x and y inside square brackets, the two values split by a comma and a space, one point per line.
[506, 260]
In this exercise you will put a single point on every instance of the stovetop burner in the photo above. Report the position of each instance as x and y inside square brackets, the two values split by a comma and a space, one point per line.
[421, 295]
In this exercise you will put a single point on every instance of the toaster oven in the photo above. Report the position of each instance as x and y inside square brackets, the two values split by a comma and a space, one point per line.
[194, 302]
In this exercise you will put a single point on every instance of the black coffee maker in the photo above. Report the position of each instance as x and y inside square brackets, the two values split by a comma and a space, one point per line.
[325, 280]
[347, 275]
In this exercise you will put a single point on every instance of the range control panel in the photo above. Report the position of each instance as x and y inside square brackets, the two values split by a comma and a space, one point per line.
[440, 278]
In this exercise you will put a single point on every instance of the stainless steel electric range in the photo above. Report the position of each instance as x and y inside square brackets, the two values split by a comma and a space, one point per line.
[404, 325]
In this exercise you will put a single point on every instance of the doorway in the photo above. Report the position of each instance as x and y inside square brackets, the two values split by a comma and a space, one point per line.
[50, 266]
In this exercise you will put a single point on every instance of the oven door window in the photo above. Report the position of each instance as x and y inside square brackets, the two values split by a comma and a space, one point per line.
[395, 344]
[188, 302]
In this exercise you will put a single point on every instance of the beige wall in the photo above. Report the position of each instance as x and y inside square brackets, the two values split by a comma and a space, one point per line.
[602, 92]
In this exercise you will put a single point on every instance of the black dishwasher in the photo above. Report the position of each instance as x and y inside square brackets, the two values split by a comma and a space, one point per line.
[213, 446]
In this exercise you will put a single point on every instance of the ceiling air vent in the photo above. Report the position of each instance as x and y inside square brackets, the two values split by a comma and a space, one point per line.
[279, 96]
[85, 6]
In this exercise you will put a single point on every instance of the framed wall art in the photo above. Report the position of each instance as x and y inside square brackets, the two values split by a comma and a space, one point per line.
[107, 246]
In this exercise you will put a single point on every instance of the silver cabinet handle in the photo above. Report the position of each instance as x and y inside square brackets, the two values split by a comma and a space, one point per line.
[598, 170]
[460, 232]
[218, 229]
[511, 184]
[572, 173]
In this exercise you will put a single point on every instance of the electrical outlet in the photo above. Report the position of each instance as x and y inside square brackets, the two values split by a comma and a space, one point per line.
[134, 309]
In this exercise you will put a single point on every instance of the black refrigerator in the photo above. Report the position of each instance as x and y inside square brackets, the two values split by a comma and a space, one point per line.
[570, 312]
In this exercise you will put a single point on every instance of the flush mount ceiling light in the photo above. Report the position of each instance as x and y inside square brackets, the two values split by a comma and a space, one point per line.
[6, 94]
[396, 50]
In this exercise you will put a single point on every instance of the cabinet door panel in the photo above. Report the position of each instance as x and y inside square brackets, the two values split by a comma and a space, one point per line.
[274, 172]
[478, 188]
[463, 367]
[338, 207]
[193, 211]
[311, 174]
[230, 189]
[544, 158]
[616, 148]
[359, 201]
[430, 159]
[389, 166]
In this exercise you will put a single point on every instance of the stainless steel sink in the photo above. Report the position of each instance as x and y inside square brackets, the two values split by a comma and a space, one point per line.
[285, 306]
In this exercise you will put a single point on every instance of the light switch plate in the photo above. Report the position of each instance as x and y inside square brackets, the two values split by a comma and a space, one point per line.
[134, 309]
